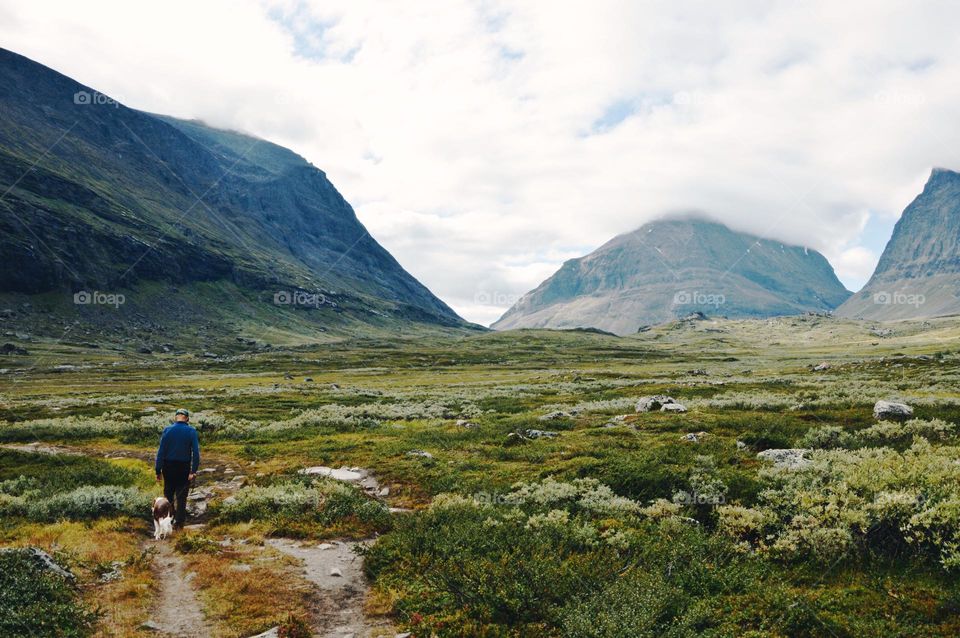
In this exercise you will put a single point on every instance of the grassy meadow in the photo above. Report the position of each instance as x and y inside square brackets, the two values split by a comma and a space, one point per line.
[521, 494]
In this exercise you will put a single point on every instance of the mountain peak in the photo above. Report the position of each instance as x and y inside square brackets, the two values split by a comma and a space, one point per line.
[918, 275]
[673, 266]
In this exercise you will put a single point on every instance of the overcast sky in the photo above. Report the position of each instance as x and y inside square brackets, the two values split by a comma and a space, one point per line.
[484, 143]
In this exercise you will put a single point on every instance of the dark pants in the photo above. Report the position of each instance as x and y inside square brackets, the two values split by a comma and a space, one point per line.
[176, 486]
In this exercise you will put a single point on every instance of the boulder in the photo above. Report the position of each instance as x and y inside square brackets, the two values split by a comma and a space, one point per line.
[890, 411]
[654, 403]
[673, 407]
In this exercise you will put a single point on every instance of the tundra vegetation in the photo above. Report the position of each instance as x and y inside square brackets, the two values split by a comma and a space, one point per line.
[520, 493]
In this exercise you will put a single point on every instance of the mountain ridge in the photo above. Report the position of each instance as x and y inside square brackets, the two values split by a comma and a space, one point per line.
[102, 196]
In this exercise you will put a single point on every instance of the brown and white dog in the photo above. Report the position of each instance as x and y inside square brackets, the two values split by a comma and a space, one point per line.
[162, 518]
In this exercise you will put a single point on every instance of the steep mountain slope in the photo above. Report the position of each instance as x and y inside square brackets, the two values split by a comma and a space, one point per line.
[673, 267]
[918, 275]
[100, 197]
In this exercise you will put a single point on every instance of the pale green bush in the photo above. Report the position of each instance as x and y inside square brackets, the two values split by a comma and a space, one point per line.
[827, 437]
[832, 506]
[893, 432]
[85, 503]
[584, 494]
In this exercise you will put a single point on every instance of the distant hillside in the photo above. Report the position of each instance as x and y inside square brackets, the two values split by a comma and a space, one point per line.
[918, 275]
[673, 267]
[174, 215]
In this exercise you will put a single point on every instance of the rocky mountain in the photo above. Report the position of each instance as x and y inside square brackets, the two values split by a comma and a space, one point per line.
[179, 219]
[918, 275]
[674, 267]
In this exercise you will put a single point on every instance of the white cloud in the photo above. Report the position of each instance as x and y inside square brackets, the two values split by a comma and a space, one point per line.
[855, 265]
[485, 142]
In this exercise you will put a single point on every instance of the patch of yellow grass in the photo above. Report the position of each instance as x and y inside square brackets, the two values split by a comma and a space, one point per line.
[246, 600]
[123, 603]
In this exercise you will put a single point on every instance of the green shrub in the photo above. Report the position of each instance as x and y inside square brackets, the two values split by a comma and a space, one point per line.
[38, 603]
[196, 544]
[900, 434]
[828, 437]
[88, 502]
[296, 505]
[570, 559]
[871, 499]
[43, 474]
[504, 566]
[44, 487]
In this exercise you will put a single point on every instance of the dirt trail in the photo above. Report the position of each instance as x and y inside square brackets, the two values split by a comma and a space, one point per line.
[341, 614]
[332, 566]
[177, 612]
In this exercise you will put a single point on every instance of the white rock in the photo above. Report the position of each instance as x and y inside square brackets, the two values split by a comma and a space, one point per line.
[342, 474]
[673, 407]
[335, 571]
[888, 410]
[654, 403]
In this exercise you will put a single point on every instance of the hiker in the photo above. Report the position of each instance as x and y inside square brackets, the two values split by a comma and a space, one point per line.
[178, 459]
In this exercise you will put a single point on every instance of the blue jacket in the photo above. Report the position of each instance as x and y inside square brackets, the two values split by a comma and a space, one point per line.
[179, 442]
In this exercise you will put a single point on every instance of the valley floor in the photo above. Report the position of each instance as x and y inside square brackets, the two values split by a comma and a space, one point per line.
[502, 484]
